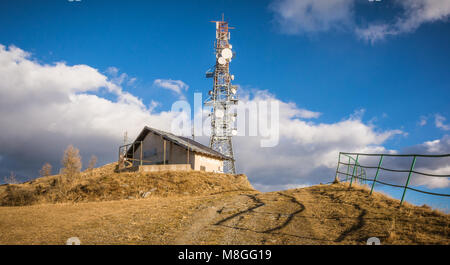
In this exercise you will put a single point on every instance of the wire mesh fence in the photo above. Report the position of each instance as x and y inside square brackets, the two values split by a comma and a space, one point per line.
[355, 171]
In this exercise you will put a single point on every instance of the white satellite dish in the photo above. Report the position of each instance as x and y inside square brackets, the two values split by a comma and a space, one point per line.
[222, 60]
[233, 90]
[227, 53]
[232, 77]
[230, 46]
[234, 132]
[219, 113]
[233, 119]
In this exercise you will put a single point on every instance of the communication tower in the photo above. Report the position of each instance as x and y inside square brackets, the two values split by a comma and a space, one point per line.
[222, 97]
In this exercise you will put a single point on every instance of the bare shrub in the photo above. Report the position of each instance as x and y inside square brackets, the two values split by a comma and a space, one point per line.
[71, 169]
[71, 163]
[92, 162]
[11, 179]
[46, 170]
[17, 196]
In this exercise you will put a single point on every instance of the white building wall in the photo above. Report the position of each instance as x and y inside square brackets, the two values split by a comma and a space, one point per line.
[206, 163]
[153, 150]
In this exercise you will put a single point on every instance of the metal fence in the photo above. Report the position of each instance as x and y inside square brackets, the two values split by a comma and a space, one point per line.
[127, 160]
[354, 166]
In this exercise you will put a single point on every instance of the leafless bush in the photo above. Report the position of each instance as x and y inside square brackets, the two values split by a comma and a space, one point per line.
[71, 163]
[46, 170]
[11, 179]
[92, 162]
[17, 196]
[71, 169]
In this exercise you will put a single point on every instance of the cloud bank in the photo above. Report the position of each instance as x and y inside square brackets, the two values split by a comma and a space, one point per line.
[45, 107]
[308, 16]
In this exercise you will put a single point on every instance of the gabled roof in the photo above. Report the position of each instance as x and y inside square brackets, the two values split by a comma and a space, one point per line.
[178, 140]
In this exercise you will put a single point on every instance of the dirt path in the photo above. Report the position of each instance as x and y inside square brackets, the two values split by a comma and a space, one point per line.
[268, 218]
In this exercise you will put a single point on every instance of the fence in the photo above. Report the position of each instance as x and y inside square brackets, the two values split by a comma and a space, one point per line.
[362, 176]
[127, 157]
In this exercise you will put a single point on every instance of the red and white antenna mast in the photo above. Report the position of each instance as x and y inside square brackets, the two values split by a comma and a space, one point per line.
[222, 97]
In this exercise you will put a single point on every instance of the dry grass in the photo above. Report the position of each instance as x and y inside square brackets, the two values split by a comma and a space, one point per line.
[151, 221]
[103, 184]
[380, 216]
[205, 208]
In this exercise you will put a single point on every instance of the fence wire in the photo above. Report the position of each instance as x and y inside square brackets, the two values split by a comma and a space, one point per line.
[363, 176]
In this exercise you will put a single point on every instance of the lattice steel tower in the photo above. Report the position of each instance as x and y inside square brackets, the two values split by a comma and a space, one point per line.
[222, 97]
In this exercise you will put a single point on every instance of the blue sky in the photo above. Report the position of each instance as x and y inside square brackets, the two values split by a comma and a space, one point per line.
[398, 79]
[334, 72]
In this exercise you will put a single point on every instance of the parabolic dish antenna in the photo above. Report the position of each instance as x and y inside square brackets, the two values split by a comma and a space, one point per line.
[234, 132]
[219, 113]
[233, 90]
[226, 53]
[222, 60]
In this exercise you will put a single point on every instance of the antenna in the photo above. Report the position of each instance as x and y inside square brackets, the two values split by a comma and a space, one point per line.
[125, 138]
[125, 142]
[222, 97]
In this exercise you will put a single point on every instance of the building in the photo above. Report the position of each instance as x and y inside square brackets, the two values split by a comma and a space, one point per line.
[156, 150]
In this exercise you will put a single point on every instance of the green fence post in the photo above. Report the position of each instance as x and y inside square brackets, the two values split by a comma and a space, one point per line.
[337, 169]
[376, 175]
[348, 169]
[354, 167]
[409, 178]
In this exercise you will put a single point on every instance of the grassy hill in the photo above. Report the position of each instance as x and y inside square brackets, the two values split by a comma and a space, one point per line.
[104, 184]
[103, 207]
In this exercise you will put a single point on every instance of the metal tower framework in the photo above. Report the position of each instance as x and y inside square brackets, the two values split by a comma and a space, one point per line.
[222, 97]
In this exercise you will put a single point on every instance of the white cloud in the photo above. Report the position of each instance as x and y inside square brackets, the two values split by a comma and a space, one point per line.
[439, 122]
[438, 166]
[305, 16]
[43, 108]
[423, 121]
[432, 182]
[119, 79]
[177, 86]
[307, 151]
[415, 13]
[266, 188]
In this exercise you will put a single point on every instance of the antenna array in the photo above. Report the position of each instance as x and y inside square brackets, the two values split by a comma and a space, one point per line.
[222, 97]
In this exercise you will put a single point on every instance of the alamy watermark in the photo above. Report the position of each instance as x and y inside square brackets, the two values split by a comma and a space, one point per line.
[373, 241]
[73, 241]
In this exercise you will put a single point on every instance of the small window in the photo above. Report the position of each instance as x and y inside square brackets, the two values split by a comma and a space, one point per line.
[202, 168]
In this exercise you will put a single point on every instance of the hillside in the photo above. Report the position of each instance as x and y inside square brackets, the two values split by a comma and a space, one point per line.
[104, 184]
[213, 213]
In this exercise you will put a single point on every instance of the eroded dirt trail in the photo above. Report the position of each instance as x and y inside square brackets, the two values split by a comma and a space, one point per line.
[268, 218]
